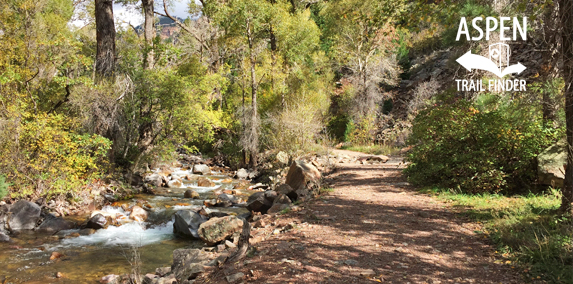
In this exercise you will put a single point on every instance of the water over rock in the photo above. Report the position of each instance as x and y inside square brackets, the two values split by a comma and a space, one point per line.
[191, 194]
[138, 214]
[205, 182]
[187, 223]
[175, 183]
[24, 215]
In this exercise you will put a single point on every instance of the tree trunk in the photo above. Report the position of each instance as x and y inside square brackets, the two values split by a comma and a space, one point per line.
[566, 15]
[243, 245]
[254, 118]
[149, 33]
[105, 37]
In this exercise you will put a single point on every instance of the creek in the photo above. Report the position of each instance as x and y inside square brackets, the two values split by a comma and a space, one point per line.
[87, 258]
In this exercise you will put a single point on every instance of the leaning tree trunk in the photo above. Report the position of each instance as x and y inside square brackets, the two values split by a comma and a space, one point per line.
[243, 245]
[149, 33]
[566, 15]
[105, 37]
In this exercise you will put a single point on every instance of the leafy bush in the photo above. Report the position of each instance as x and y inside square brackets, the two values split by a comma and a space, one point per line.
[472, 150]
[3, 187]
[53, 160]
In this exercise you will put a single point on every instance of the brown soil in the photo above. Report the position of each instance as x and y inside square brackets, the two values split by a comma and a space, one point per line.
[373, 227]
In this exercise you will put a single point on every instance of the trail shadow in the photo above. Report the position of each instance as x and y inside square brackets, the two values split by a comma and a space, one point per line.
[401, 236]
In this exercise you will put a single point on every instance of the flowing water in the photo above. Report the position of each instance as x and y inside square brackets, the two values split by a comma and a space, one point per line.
[113, 250]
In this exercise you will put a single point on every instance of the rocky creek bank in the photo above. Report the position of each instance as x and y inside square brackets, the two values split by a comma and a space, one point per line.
[226, 238]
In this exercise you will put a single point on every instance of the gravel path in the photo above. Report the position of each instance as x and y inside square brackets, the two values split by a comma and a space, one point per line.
[373, 227]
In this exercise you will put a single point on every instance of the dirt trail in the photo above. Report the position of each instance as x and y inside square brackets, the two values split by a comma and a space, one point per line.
[373, 227]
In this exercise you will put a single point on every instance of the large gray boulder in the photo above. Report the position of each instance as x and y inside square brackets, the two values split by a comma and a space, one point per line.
[188, 263]
[219, 229]
[187, 223]
[53, 224]
[98, 221]
[302, 176]
[154, 180]
[201, 169]
[24, 215]
[551, 164]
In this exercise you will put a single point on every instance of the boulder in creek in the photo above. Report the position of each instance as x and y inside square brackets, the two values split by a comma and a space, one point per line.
[551, 164]
[53, 224]
[205, 182]
[24, 215]
[191, 194]
[201, 169]
[242, 174]
[188, 263]
[174, 183]
[138, 214]
[110, 279]
[227, 200]
[4, 238]
[302, 175]
[219, 229]
[154, 179]
[98, 221]
[86, 231]
[187, 223]
[261, 201]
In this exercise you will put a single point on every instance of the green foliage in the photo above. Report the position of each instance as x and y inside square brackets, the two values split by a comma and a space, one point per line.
[3, 186]
[340, 127]
[476, 148]
[526, 229]
[51, 159]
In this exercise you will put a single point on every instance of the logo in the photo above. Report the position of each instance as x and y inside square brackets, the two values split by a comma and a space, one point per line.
[498, 62]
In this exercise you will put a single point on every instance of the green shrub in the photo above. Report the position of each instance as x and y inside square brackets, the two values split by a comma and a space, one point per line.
[3, 187]
[476, 148]
[51, 160]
